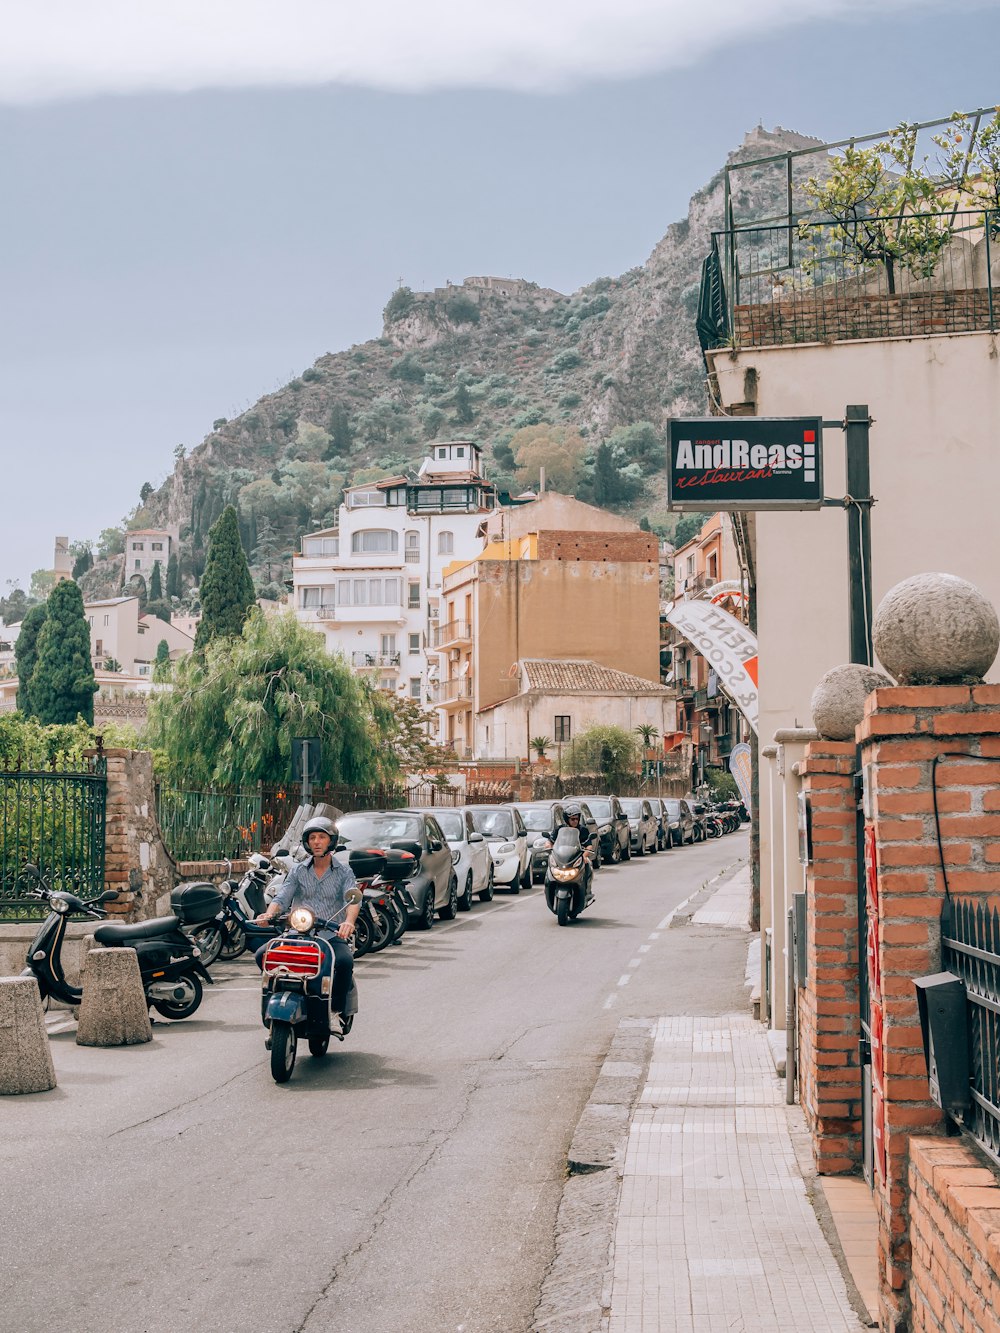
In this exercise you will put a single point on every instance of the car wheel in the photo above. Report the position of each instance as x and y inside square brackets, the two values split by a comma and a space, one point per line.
[654, 845]
[486, 895]
[627, 852]
[426, 918]
[450, 910]
[641, 849]
[616, 852]
[465, 902]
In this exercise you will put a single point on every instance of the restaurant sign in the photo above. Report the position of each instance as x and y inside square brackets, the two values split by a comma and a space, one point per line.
[745, 463]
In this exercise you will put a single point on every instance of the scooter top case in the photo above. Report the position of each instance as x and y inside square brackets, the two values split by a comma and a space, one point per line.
[196, 903]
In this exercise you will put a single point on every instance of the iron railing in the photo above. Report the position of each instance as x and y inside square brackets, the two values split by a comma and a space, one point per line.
[828, 281]
[970, 948]
[455, 690]
[55, 820]
[454, 631]
[207, 825]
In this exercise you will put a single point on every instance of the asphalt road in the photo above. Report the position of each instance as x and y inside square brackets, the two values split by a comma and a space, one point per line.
[408, 1181]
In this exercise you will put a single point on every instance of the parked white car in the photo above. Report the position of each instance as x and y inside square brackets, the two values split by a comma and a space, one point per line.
[470, 854]
[505, 833]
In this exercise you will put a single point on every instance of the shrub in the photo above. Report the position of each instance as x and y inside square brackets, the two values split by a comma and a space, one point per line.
[219, 422]
[398, 305]
[311, 375]
[461, 309]
[566, 360]
[570, 400]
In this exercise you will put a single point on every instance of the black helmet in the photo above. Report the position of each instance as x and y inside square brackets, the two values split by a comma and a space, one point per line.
[319, 825]
[572, 811]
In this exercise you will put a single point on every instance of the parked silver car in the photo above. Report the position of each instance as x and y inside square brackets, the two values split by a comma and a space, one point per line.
[641, 824]
[470, 854]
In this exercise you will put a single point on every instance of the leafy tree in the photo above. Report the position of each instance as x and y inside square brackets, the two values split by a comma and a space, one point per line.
[110, 542]
[608, 751]
[218, 423]
[83, 558]
[42, 583]
[161, 662]
[234, 709]
[155, 583]
[408, 369]
[15, 606]
[399, 304]
[464, 411]
[722, 785]
[341, 434]
[112, 664]
[173, 576]
[226, 591]
[311, 442]
[406, 728]
[688, 526]
[26, 655]
[612, 483]
[461, 309]
[559, 449]
[145, 491]
[62, 685]
[37, 746]
[161, 610]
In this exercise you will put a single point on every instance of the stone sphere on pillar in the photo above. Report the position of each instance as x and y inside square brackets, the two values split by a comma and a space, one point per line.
[936, 628]
[838, 701]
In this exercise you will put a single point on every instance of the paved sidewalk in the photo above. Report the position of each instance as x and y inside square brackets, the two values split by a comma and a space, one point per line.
[729, 905]
[715, 1230]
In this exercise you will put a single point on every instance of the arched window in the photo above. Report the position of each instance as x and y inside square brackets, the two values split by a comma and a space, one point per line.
[374, 541]
[446, 543]
[412, 543]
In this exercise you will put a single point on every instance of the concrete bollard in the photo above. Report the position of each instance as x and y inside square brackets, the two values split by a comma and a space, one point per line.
[113, 1011]
[25, 1057]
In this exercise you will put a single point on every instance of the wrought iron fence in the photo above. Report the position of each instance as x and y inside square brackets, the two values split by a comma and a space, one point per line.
[206, 825]
[54, 819]
[822, 281]
[970, 947]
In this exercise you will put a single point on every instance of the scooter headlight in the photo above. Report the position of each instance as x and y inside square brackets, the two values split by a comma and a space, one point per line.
[564, 872]
[58, 903]
[302, 920]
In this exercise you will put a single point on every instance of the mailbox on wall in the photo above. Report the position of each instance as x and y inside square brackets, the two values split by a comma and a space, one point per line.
[945, 1026]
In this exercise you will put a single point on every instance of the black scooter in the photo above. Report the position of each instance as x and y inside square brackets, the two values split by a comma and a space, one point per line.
[568, 877]
[169, 961]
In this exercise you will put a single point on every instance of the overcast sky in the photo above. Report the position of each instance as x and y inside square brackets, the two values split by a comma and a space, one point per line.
[202, 196]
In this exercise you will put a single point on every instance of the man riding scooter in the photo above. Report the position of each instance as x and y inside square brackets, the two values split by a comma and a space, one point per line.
[320, 884]
[574, 820]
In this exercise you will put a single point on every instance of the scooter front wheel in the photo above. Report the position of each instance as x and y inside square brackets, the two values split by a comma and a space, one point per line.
[318, 1046]
[562, 911]
[182, 1008]
[283, 1046]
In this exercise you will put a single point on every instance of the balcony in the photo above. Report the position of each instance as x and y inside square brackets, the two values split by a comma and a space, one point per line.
[375, 661]
[451, 634]
[724, 744]
[412, 557]
[685, 689]
[453, 692]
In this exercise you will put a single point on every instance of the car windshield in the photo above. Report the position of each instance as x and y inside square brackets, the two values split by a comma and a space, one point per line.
[538, 818]
[600, 809]
[452, 824]
[633, 808]
[379, 829]
[494, 823]
[673, 809]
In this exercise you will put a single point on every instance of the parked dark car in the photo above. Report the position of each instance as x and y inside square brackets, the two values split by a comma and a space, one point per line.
[642, 824]
[662, 815]
[612, 827]
[433, 886]
[681, 819]
[542, 819]
[588, 818]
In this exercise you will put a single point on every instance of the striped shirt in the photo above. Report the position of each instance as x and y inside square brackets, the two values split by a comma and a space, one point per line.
[322, 894]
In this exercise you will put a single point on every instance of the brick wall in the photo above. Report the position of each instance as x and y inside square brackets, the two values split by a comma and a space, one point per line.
[903, 730]
[834, 317]
[828, 1008]
[954, 1239]
[628, 546]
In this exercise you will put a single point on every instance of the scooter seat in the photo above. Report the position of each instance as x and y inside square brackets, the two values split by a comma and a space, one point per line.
[142, 930]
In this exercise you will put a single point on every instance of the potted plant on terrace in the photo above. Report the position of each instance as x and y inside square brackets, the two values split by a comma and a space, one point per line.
[540, 744]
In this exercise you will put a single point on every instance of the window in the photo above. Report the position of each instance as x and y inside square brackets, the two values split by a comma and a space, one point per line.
[413, 596]
[412, 548]
[414, 643]
[460, 452]
[446, 543]
[562, 727]
[90, 621]
[374, 541]
[143, 669]
[138, 546]
[138, 564]
[156, 546]
[99, 648]
[321, 546]
[442, 453]
[365, 499]
[396, 496]
[387, 683]
[388, 645]
[713, 567]
[107, 620]
[415, 692]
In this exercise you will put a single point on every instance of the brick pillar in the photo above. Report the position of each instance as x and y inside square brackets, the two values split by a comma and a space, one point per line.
[829, 1012]
[903, 730]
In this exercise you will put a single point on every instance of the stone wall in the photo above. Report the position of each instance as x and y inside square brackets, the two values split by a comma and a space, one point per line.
[137, 864]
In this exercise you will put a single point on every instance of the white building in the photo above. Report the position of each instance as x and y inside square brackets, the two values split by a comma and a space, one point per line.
[372, 585]
[144, 548]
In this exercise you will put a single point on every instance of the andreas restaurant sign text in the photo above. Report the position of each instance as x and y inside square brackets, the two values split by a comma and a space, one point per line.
[746, 463]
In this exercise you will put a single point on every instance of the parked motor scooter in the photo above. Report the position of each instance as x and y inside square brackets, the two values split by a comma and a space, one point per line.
[568, 877]
[169, 961]
[297, 979]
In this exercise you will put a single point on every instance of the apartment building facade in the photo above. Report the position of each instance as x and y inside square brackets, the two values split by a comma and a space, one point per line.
[371, 586]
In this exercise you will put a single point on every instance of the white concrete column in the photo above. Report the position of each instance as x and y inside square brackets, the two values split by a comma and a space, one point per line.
[792, 744]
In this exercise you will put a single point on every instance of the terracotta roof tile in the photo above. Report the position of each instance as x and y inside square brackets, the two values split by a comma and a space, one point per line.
[585, 677]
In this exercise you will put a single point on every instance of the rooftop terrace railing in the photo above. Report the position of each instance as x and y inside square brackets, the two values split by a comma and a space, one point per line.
[807, 282]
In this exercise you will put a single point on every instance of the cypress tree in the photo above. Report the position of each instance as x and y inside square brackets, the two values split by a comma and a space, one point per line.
[62, 684]
[161, 662]
[155, 583]
[226, 591]
[173, 576]
[26, 655]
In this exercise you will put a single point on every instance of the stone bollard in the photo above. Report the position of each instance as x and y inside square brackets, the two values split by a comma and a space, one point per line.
[113, 1011]
[25, 1058]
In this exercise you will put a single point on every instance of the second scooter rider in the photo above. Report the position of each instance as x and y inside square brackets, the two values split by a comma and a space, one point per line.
[321, 884]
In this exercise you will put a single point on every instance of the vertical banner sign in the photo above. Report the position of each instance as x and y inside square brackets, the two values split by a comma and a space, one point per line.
[741, 766]
[745, 463]
[727, 645]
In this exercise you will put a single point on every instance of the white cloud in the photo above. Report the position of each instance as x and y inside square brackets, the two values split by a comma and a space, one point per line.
[53, 49]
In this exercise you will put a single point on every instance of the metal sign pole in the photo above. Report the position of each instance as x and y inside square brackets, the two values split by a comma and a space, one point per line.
[306, 774]
[858, 504]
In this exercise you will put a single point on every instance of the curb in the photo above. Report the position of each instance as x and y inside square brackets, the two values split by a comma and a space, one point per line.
[576, 1291]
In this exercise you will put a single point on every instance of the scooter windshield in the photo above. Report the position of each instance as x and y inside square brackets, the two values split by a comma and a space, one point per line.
[567, 842]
